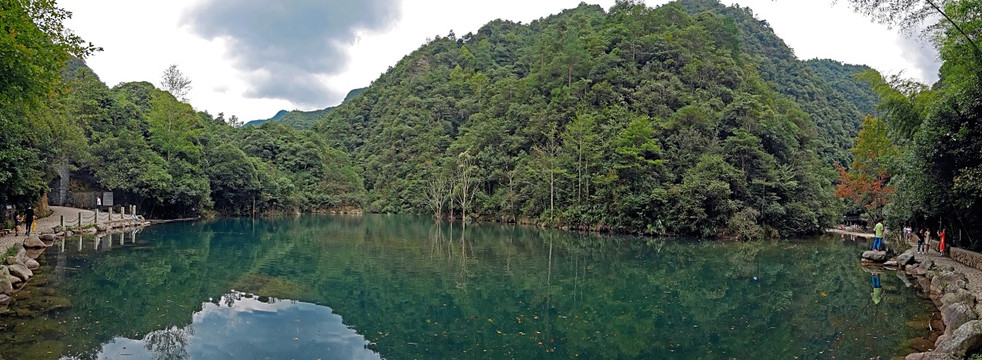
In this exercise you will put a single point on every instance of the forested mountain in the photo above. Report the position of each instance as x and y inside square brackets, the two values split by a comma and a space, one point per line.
[158, 152]
[691, 118]
[303, 120]
[688, 119]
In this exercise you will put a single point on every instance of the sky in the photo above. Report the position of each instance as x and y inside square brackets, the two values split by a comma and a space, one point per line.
[252, 58]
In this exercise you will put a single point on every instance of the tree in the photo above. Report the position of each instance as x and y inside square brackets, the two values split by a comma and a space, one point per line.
[174, 82]
[34, 48]
[865, 182]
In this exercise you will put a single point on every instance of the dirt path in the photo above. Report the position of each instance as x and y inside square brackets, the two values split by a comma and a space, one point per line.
[47, 224]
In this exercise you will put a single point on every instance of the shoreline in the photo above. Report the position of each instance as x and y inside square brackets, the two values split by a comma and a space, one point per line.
[20, 252]
[953, 283]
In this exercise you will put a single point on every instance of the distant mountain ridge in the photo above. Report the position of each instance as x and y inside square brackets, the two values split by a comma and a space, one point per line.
[303, 120]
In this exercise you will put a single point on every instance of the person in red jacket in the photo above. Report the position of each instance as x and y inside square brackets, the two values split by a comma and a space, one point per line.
[941, 242]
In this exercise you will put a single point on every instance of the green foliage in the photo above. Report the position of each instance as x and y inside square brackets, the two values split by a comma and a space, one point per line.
[691, 118]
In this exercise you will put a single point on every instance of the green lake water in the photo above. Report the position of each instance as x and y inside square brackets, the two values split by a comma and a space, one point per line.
[398, 287]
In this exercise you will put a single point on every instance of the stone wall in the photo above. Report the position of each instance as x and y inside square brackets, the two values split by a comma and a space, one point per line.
[969, 258]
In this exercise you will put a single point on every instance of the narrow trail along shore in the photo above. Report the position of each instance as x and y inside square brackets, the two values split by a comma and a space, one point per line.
[49, 223]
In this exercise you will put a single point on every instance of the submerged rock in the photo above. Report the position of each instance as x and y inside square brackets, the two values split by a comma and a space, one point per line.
[5, 286]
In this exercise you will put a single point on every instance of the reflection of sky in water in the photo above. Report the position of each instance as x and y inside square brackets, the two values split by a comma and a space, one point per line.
[243, 327]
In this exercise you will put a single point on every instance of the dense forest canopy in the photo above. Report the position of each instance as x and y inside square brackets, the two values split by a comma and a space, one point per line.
[692, 118]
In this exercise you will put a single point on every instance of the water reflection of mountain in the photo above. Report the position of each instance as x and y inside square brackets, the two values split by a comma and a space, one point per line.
[243, 326]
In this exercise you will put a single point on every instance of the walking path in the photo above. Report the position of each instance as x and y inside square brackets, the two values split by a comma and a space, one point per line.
[47, 224]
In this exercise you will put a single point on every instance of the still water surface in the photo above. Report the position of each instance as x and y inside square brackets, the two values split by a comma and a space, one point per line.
[397, 287]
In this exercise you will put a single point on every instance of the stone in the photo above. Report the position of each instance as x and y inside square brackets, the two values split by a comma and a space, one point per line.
[90, 231]
[32, 264]
[906, 258]
[941, 283]
[875, 255]
[10, 260]
[957, 314]
[101, 227]
[4, 298]
[960, 296]
[34, 242]
[929, 356]
[965, 338]
[891, 263]
[921, 344]
[60, 234]
[47, 237]
[33, 253]
[13, 279]
[20, 271]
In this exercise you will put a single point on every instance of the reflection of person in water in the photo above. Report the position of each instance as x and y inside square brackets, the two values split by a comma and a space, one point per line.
[877, 290]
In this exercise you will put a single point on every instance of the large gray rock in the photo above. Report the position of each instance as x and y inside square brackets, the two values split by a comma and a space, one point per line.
[13, 279]
[955, 315]
[947, 282]
[875, 255]
[930, 356]
[10, 260]
[906, 258]
[34, 242]
[4, 298]
[20, 271]
[965, 338]
[959, 296]
[32, 264]
[47, 237]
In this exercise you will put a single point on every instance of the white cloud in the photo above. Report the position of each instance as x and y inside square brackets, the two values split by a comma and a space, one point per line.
[142, 38]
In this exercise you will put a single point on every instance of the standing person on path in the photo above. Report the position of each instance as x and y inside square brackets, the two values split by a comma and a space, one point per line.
[98, 202]
[878, 240]
[29, 219]
[920, 242]
[941, 242]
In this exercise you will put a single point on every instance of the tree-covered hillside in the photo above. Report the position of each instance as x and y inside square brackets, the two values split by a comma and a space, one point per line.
[156, 151]
[691, 118]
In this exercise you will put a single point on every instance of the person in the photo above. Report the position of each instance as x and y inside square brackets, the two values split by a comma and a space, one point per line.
[98, 202]
[28, 219]
[877, 289]
[941, 242]
[878, 239]
[17, 220]
[927, 240]
[920, 242]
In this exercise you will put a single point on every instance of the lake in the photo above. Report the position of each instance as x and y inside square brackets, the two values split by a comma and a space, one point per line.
[403, 287]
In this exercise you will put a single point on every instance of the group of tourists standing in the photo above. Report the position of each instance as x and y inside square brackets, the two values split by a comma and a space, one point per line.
[923, 238]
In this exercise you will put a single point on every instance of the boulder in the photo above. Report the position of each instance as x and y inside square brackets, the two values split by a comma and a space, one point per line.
[960, 296]
[965, 338]
[891, 263]
[32, 264]
[13, 280]
[10, 260]
[89, 231]
[101, 227]
[4, 298]
[33, 253]
[875, 255]
[957, 314]
[906, 258]
[47, 237]
[930, 356]
[34, 242]
[20, 271]
[942, 283]
[60, 234]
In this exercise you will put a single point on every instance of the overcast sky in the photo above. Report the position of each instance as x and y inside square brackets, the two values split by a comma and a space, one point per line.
[252, 58]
